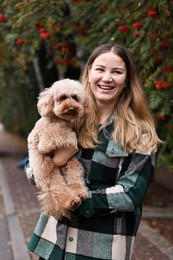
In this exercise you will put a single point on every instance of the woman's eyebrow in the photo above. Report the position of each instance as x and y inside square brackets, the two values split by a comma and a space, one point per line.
[98, 65]
[115, 68]
[118, 68]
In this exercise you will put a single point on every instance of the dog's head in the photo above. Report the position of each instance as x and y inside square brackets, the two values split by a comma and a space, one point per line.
[65, 99]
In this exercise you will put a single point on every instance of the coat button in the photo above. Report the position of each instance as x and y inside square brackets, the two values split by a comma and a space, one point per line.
[70, 239]
[87, 211]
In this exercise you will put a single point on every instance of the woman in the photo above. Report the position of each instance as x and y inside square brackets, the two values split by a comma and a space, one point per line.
[119, 165]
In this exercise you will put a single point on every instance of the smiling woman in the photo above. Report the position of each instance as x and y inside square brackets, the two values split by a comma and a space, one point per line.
[118, 163]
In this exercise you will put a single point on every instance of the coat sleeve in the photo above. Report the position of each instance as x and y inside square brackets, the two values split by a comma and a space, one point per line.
[29, 173]
[129, 191]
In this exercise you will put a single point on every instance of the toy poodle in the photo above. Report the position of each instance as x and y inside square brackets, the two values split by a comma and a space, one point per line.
[61, 189]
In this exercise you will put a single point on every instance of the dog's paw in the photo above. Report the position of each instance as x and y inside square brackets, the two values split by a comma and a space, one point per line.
[83, 195]
[81, 191]
[73, 203]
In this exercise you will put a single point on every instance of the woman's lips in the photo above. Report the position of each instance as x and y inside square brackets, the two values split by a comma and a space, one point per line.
[105, 87]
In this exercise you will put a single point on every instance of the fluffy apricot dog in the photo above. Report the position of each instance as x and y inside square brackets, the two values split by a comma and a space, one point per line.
[61, 189]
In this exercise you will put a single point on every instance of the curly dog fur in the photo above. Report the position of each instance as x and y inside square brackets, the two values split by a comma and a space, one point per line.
[61, 188]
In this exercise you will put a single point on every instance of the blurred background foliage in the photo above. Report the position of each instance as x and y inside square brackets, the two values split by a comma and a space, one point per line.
[43, 41]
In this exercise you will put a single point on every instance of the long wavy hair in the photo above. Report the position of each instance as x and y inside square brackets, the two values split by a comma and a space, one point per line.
[134, 124]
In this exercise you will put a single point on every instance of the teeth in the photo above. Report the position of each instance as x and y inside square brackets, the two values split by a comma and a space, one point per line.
[105, 87]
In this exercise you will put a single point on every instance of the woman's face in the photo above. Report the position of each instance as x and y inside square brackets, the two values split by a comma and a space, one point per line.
[107, 77]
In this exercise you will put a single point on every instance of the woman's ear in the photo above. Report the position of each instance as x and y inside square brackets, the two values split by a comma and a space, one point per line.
[45, 103]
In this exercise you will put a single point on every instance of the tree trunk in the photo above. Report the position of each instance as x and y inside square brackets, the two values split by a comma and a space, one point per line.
[38, 74]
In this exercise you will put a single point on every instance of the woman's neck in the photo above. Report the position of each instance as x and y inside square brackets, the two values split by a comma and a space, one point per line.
[104, 114]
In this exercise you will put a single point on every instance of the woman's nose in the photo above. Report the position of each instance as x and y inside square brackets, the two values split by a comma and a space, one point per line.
[107, 77]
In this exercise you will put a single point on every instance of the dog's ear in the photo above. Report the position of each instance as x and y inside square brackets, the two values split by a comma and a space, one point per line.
[45, 103]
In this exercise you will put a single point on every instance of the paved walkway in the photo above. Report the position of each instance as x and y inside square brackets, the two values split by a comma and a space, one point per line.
[19, 211]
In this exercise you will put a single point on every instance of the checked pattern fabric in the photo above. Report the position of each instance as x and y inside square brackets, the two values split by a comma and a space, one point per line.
[105, 225]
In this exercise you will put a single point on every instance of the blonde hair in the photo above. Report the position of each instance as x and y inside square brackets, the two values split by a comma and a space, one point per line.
[132, 115]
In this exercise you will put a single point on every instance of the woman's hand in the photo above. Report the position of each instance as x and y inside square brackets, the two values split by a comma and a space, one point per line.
[63, 155]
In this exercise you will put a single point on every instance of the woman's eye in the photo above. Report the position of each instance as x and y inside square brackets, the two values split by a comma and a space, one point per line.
[118, 72]
[99, 69]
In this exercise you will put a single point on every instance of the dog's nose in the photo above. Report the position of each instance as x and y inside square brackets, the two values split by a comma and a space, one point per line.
[71, 109]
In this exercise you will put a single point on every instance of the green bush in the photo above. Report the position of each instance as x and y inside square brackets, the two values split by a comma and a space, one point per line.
[61, 34]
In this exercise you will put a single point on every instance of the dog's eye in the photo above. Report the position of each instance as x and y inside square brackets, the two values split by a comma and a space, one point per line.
[75, 97]
[62, 98]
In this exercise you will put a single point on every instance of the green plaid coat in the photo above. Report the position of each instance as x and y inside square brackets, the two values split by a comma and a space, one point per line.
[105, 225]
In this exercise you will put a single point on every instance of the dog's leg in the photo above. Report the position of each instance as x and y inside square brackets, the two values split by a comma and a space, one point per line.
[58, 199]
[46, 143]
[42, 166]
[75, 178]
[55, 137]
